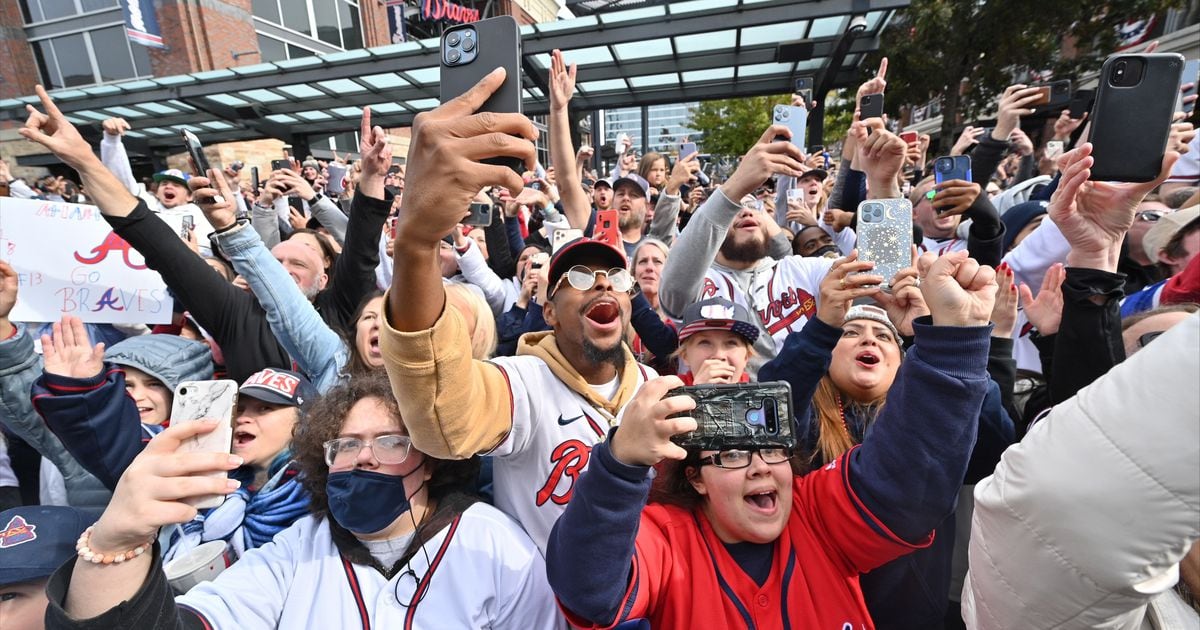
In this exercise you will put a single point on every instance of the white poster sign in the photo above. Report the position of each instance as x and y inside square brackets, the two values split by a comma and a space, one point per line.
[70, 262]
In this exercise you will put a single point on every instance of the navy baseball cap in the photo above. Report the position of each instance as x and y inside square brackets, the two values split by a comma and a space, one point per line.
[37, 539]
[718, 314]
[280, 387]
[635, 180]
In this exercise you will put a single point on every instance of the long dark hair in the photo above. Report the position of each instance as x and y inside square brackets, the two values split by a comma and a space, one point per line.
[357, 366]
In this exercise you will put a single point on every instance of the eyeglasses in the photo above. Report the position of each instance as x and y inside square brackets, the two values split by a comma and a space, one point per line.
[740, 458]
[1149, 216]
[583, 278]
[387, 449]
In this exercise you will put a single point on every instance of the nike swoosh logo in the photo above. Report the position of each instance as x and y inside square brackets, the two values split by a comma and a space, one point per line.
[562, 422]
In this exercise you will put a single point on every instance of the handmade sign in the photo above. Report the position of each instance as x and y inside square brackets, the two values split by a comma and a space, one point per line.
[69, 261]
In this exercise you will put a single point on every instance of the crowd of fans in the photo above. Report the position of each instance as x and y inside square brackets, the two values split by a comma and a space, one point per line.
[445, 425]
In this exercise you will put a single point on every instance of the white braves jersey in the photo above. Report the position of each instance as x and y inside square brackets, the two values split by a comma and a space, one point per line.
[783, 293]
[553, 430]
[485, 573]
[943, 246]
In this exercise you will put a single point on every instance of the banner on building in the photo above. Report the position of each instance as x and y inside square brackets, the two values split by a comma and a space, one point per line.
[141, 23]
[397, 30]
[70, 262]
[448, 11]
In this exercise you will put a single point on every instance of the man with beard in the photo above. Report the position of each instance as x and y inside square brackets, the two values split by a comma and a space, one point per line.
[538, 413]
[724, 251]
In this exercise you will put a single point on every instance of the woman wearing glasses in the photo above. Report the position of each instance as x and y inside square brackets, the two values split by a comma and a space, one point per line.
[393, 541]
[736, 537]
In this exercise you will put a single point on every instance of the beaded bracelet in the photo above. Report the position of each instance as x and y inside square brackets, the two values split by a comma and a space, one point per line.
[85, 552]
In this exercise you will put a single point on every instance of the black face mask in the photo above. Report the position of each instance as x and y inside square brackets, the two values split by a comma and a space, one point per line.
[828, 251]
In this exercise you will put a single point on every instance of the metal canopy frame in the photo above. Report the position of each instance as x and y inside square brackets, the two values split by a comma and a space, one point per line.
[657, 54]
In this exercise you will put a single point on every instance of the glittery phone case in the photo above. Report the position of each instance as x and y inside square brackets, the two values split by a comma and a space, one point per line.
[885, 236]
[738, 415]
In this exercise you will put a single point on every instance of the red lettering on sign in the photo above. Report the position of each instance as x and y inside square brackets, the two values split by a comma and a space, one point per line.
[111, 243]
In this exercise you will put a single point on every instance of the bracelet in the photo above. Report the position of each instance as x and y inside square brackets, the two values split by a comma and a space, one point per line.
[85, 552]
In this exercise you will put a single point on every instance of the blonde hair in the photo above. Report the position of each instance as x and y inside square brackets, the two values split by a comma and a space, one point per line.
[483, 336]
[833, 436]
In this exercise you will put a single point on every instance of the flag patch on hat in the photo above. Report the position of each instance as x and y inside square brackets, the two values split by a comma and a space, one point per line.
[17, 532]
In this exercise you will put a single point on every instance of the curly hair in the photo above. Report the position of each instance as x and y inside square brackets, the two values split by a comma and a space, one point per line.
[324, 422]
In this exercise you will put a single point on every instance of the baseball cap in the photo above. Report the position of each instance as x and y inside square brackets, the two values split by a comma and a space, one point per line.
[280, 387]
[635, 180]
[602, 182]
[582, 251]
[717, 314]
[37, 539]
[1157, 237]
[818, 173]
[172, 175]
[875, 314]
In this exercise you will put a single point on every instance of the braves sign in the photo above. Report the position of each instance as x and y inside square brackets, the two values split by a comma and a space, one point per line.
[449, 11]
[141, 24]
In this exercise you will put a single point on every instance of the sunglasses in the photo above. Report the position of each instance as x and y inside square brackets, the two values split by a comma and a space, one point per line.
[582, 278]
[1149, 216]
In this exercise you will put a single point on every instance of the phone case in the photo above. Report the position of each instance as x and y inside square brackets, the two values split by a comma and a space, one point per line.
[738, 415]
[278, 165]
[1191, 74]
[497, 43]
[1130, 125]
[949, 167]
[197, 400]
[885, 236]
[480, 215]
[871, 106]
[795, 119]
[606, 229]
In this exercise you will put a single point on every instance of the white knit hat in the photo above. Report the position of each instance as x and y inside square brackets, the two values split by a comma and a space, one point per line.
[875, 314]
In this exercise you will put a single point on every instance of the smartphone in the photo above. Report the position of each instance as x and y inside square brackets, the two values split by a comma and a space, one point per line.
[255, 184]
[619, 148]
[199, 161]
[1081, 103]
[480, 214]
[910, 137]
[1191, 74]
[1055, 94]
[948, 167]
[870, 106]
[215, 400]
[606, 228]
[795, 119]
[885, 236]
[795, 194]
[469, 52]
[738, 415]
[279, 165]
[391, 226]
[1131, 119]
[686, 149]
[186, 223]
[1054, 149]
[287, 153]
[804, 87]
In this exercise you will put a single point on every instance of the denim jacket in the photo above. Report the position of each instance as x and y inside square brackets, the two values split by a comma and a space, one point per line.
[318, 351]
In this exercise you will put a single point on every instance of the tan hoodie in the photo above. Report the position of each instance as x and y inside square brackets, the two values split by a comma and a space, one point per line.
[454, 406]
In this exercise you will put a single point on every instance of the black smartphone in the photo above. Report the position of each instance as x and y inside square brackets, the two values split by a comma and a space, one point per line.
[1081, 103]
[199, 161]
[469, 52]
[254, 183]
[949, 167]
[1191, 74]
[279, 165]
[738, 415]
[804, 87]
[1131, 119]
[870, 106]
[480, 214]
[1053, 95]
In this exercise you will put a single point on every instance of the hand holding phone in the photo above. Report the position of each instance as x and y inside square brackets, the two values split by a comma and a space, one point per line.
[870, 106]
[199, 161]
[885, 236]
[738, 416]
[795, 119]
[206, 400]
[1131, 119]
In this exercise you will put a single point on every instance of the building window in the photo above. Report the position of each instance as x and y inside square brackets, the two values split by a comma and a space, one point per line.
[99, 56]
[271, 49]
[45, 10]
[335, 22]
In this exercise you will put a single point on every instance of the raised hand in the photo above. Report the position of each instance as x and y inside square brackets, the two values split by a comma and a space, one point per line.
[845, 282]
[880, 156]
[1094, 216]
[764, 159]
[955, 196]
[445, 169]
[220, 215]
[69, 352]
[376, 154]
[153, 488]
[1045, 311]
[53, 131]
[644, 436]
[1064, 125]
[562, 81]
[1017, 101]
[969, 137]
[904, 302]
[1020, 142]
[115, 126]
[875, 84]
[685, 168]
[1004, 313]
[958, 290]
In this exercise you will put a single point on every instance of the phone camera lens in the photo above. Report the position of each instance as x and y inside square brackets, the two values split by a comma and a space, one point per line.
[468, 44]
[453, 55]
[183, 391]
[452, 39]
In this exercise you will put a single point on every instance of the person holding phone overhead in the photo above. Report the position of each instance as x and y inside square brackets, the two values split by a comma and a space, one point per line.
[739, 538]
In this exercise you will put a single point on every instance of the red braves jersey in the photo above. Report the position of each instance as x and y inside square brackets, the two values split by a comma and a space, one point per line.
[683, 577]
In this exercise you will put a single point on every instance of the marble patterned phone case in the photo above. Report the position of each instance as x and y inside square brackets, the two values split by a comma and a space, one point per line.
[198, 400]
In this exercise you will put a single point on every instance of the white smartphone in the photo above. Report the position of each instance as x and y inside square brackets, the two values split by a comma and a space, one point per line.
[1054, 149]
[199, 400]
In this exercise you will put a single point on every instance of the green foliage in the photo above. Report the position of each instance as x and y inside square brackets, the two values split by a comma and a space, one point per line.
[976, 47]
[732, 126]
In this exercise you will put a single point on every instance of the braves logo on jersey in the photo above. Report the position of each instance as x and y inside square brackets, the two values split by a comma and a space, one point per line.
[781, 311]
[569, 459]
